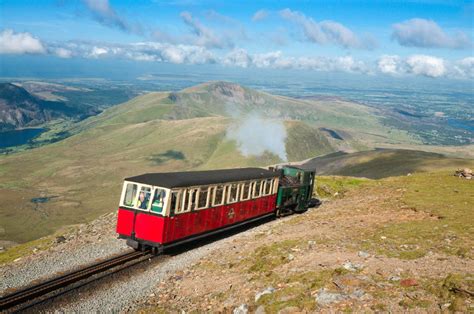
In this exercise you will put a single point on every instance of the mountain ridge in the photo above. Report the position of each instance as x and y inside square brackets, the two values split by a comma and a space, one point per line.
[19, 109]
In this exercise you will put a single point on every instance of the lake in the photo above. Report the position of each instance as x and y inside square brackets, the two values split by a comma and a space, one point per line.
[18, 137]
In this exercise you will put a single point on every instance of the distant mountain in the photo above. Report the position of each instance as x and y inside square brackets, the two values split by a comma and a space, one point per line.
[19, 108]
[382, 163]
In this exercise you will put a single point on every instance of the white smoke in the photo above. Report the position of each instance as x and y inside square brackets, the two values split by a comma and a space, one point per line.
[255, 135]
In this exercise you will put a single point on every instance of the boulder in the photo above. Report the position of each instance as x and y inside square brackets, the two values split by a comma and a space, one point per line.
[409, 282]
[352, 266]
[324, 297]
[269, 290]
[60, 239]
[464, 173]
[242, 309]
[363, 254]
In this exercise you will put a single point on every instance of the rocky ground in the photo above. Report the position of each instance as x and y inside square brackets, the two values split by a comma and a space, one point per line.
[322, 260]
[316, 262]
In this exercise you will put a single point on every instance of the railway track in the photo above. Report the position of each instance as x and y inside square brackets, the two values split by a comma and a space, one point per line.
[28, 294]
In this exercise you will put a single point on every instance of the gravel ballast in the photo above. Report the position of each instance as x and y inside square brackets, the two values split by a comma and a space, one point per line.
[118, 292]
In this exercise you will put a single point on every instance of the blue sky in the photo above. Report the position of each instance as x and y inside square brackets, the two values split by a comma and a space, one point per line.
[415, 38]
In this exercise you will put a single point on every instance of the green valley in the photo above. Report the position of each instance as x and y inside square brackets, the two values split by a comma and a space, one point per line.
[80, 177]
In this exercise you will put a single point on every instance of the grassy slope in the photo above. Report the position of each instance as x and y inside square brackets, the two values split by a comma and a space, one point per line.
[445, 201]
[448, 200]
[383, 163]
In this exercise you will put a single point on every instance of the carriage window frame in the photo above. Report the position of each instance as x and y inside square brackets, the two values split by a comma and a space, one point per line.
[124, 192]
[178, 206]
[268, 187]
[189, 206]
[214, 191]
[254, 190]
[184, 197]
[237, 196]
[208, 188]
[242, 196]
[148, 207]
[164, 209]
[137, 195]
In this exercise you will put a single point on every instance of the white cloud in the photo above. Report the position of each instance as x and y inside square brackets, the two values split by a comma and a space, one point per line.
[260, 15]
[427, 34]
[464, 68]
[426, 66]
[63, 53]
[418, 65]
[389, 64]
[106, 15]
[270, 59]
[96, 52]
[204, 36]
[429, 66]
[237, 57]
[326, 32]
[19, 43]
[338, 33]
[162, 52]
[276, 60]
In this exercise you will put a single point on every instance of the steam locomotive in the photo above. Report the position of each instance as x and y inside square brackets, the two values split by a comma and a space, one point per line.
[162, 210]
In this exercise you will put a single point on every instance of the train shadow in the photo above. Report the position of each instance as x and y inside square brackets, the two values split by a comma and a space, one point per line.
[194, 244]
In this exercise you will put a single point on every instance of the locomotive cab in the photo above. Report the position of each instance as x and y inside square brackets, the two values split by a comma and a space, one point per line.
[296, 189]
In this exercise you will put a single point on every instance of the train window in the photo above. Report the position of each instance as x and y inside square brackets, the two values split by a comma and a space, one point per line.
[175, 205]
[192, 199]
[233, 193]
[158, 202]
[245, 191]
[144, 198]
[268, 187]
[257, 185]
[218, 195]
[203, 197]
[185, 197]
[130, 195]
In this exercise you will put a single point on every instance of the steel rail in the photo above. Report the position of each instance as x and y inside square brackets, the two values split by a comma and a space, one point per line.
[30, 293]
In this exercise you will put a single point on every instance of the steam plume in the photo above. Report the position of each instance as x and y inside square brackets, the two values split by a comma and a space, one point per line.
[255, 135]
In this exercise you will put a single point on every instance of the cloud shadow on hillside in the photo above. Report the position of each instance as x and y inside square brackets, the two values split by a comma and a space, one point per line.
[159, 159]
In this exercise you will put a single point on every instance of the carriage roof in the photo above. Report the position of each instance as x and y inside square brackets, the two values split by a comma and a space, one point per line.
[194, 178]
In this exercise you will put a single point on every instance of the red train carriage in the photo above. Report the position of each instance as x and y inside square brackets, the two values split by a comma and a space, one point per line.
[160, 210]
